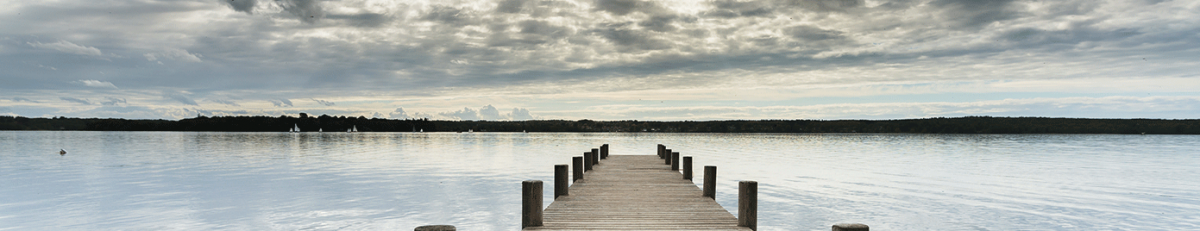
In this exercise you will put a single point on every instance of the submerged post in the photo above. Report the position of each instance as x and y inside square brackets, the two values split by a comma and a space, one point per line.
[675, 161]
[560, 180]
[710, 181]
[578, 162]
[587, 161]
[596, 154]
[604, 151]
[531, 203]
[851, 227]
[748, 204]
[687, 168]
[667, 156]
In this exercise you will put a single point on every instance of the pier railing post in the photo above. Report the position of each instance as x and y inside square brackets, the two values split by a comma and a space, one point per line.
[851, 227]
[560, 180]
[675, 161]
[748, 204]
[578, 162]
[596, 154]
[531, 203]
[667, 156]
[587, 161]
[687, 168]
[710, 181]
[604, 151]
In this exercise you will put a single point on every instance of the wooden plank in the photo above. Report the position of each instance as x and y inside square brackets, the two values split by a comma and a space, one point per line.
[635, 192]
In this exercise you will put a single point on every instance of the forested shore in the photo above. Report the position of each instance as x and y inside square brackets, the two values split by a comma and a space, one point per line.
[960, 125]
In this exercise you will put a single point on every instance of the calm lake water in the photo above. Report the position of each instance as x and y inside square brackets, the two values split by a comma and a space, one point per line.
[370, 181]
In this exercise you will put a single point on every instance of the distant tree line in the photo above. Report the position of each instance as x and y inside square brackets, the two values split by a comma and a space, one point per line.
[959, 125]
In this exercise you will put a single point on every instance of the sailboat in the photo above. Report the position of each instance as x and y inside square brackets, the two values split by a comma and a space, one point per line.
[295, 128]
[320, 130]
[356, 128]
[422, 130]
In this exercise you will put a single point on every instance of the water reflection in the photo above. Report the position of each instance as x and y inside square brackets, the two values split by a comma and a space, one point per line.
[172, 180]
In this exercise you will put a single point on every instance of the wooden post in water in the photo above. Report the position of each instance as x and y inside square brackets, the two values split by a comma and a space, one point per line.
[560, 180]
[667, 156]
[587, 161]
[851, 227]
[675, 161]
[436, 228]
[578, 162]
[604, 151]
[596, 154]
[531, 203]
[748, 204]
[710, 181]
[687, 168]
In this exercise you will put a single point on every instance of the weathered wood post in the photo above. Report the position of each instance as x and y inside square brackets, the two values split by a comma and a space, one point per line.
[687, 168]
[596, 154]
[748, 204]
[667, 156]
[660, 150]
[851, 227]
[578, 162]
[710, 181]
[436, 228]
[560, 180]
[531, 203]
[675, 161]
[587, 161]
[604, 151]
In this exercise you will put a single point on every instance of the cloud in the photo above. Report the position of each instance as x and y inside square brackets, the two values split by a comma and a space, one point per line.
[241, 5]
[225, 102]
[377, 115]
[178, 97]
[309, 11]
[519, 114]
[322, 102]
[96, 83]
[20, 99]
[173, 54]
[76, 100]
[489, 113]
[68, 47]
[112, 101]
[464, 114]
[398, 114]
[281, 102]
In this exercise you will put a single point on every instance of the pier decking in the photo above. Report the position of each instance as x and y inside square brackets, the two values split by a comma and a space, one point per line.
[635, 192]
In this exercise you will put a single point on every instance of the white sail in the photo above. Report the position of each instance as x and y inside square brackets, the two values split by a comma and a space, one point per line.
[320, 130]
[296, 128]
[356, 128]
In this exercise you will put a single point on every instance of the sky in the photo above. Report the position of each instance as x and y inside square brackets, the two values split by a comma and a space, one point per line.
[601, 59]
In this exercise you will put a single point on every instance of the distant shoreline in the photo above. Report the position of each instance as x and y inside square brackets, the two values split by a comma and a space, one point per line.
[957, 125]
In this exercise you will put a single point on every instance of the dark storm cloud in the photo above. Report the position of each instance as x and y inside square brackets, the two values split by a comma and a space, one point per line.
[75, 100]
[813, 34]
[241, 5]
[631, 40]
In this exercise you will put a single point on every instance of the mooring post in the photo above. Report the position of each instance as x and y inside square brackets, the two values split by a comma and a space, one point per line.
[560, 180]
[667, 156]
[578, 162]
[596, 154]
[851, 227]
[675, 161]
[604, 151]
[748, 204]
[587, 161]
[436, 228]
[710, 181]
[660, 150]
[531, 203]
[687, 168]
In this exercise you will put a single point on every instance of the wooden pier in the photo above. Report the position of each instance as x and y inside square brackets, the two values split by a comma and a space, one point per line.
[631, 192]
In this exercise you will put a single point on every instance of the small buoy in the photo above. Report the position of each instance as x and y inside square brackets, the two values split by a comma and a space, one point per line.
[62, 152]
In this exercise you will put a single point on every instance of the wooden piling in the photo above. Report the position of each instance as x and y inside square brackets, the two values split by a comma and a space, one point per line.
[596, 154]
[436, 228]
[587, 161]
[578, 162]
[851, 227]
[667, 156]
[748, 204]
[660, 150]
[675, 161]
[687, 168]
[710, 181]
[531, 203]
[560, 180]
[604, 151]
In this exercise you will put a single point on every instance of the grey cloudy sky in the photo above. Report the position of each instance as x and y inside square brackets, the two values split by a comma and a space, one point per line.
[601, 59]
